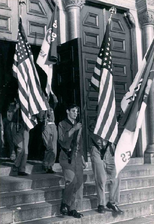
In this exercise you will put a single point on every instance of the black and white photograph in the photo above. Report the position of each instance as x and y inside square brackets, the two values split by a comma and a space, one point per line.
[76, 112]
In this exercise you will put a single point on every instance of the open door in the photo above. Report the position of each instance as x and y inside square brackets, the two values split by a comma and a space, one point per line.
[67, 80]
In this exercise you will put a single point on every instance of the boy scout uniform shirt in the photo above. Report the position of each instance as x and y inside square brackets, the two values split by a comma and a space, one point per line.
[66, 142]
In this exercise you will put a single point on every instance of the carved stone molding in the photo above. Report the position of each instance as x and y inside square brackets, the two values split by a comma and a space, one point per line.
[145, 9]
[72, 3]
[130, 20]
[146, 18]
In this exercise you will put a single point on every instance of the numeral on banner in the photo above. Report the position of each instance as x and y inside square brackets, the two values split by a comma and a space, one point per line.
[126, 156]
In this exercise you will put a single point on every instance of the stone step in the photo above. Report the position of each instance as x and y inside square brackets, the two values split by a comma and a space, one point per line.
[36, 181]
[9, 184]
[126, 185]
[54, 193]
[45, 182]
[136, 161]
[6, 216]
[127, 196]
[137, 182]
[30, 196]
[140, 220]
[33, 197]
[26, 212]
[128, 171]
[30, 168]
[92, 217]
[137, 170]
[6, 166]
[41, 181]
[21, 213]
[4, 170]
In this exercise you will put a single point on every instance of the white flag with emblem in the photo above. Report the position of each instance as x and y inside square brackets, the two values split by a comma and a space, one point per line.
[48, 54]
[133, 106]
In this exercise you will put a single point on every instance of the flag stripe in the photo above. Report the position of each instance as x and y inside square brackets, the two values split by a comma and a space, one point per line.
[25, 85]
[105, 86]
[95, 80]
[35, 93]
[106, 120]
[102, 81]
[27, 121]
[104, 95]
[111, 124]
[32, 99]
[114, 133]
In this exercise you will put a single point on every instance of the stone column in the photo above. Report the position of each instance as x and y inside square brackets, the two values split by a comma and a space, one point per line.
[73, 8]
[146, 18]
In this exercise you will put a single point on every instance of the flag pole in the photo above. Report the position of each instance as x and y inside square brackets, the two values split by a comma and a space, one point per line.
[21, 3]
[112, 11]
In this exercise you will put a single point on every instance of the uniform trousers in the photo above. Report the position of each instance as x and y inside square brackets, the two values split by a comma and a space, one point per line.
[9, 140]
[103, 169]
[49, 136]
[73, 176]
[22, 152]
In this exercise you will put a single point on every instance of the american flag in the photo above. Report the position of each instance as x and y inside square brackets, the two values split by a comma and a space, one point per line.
[102, 81]
[31, 97]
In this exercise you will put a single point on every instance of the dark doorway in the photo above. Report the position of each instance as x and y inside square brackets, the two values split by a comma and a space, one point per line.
[9, 91]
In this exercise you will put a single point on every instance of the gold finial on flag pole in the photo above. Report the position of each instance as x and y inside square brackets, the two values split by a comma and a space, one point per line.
[21, 3]
[112, 11]
[56, 2]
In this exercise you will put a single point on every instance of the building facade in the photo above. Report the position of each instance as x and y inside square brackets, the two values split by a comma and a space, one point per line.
[82, 26]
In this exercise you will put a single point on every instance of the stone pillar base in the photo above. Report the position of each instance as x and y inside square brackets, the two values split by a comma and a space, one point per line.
[149, 154]
[148, 158]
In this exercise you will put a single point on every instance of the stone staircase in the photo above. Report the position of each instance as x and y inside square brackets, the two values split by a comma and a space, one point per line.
[36, 199]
